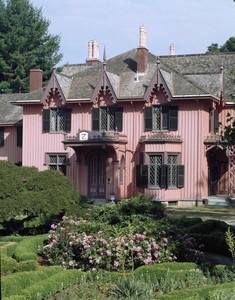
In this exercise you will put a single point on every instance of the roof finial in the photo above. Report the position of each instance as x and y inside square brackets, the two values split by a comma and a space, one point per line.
[104, 56]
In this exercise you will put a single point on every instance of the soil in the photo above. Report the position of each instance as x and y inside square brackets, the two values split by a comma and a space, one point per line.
[42, 262]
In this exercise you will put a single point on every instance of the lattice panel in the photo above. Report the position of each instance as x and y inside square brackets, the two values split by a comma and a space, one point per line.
[232, 171]
[103, 121]
[155, 162]
[165, 117]
[62, 120]
[111, 118]
[53, 120]
[172, 170]
[156, 118]
[53, 159]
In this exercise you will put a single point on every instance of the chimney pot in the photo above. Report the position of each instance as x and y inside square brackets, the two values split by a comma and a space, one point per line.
[172, 49]
[93, 52]
[142, 52]
[35, 79]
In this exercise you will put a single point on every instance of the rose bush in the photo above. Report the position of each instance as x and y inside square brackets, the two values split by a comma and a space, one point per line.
[71, 247]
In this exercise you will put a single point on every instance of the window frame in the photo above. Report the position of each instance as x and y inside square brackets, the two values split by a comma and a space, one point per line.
[143, 172]
[169, 116]
[48, 119]
[97, 118]
[57, 164]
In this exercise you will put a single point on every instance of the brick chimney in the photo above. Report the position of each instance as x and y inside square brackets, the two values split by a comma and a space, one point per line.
[142, 52]
[172, 49]
[35, 79]
[93, 52]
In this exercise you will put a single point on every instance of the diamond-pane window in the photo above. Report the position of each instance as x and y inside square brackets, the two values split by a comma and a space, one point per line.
[53, 120]
[111, 118]
[156, 118]
[58, 162]
[172, 170]
[155, 162]
[103, 121]
[61, 114]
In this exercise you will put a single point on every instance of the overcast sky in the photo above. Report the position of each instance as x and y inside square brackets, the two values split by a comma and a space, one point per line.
[191, 25]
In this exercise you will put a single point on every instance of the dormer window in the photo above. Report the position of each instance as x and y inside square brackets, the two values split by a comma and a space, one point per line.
[161, 117]
[57, 120]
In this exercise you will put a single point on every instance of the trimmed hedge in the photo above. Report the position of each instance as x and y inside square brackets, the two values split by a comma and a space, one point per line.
[8, 264]
[27, 249]
[29, 265]
[157, 271]
[9, 249]
[53, 284]
[202, 292]
[15, 283]
[208, 226]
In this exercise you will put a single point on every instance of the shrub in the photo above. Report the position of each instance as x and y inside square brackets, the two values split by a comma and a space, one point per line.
[188, 248]
[8, 264]
[158, 271]
[29, 265]
[15, 283]
[28, 248]
[69, 247]
[52, 285]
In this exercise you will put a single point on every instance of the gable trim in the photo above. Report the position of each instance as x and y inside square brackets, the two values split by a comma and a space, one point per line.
[156, 82]
[101, 86]
[53, 87]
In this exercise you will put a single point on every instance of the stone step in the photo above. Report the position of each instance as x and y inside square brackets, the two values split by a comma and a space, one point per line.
[221, 201]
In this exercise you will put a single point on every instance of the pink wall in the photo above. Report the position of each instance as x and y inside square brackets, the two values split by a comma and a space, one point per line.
[193, 128]
[10, 151]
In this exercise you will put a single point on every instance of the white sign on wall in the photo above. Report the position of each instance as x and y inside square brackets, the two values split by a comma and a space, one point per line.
[83, 136]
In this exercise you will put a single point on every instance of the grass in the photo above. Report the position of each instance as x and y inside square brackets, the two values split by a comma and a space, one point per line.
[230, 210]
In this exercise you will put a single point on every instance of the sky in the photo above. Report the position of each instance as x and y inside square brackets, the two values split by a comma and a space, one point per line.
[191, 25]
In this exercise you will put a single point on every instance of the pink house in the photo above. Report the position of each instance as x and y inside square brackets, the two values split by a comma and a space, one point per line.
[133, 123]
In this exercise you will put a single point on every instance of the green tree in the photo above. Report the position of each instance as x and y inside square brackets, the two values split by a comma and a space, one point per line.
[28, 193]
[25, 44]
[229, 46]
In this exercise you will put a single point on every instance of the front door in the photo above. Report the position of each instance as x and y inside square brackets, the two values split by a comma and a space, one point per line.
[96, 176]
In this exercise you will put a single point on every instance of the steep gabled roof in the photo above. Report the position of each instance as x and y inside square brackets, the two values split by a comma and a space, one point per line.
[10, 115]
[183, 76]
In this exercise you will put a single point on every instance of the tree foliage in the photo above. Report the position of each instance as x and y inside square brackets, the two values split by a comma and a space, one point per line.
[27, 192]
[229, 46]
[25, 44]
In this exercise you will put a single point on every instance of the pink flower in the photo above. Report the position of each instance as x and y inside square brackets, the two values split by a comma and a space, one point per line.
[108, 253]
[93, 269]
[170, 258]
[71, 263]
[116, 264]
[64, 218]
[164, 232]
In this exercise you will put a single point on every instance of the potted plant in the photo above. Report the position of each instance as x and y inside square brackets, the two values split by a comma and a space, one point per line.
[112, 197]
[205, 201]
[232, 199]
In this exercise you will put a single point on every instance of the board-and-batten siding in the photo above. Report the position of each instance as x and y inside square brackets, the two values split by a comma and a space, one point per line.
[193, 127]
[10, 151]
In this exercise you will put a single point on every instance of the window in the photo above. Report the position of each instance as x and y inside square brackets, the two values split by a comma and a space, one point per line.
[214, 120]
[107, 118]
[161, 117]
[57, 162]
[172, 171]
[56, 120]
[19, 136]
[1, 136]
[121, 170]
[156, 174]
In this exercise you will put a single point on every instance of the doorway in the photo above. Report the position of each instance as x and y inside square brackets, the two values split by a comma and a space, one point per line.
[217, 172]
[97, 175]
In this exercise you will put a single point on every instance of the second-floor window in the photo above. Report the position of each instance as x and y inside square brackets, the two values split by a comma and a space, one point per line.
[107, 118]
[161, 117]
[56, 120]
